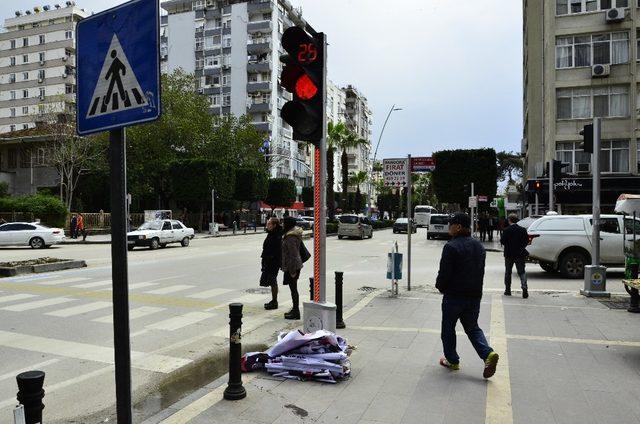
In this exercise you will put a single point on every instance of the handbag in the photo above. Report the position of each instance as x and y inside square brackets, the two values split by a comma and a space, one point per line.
[304, 253]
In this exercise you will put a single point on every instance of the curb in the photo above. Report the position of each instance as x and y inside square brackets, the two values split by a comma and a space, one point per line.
[36, 269]
[87, 242]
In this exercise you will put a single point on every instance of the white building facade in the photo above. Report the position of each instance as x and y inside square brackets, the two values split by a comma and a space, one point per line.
[359, 119]
[37, 64]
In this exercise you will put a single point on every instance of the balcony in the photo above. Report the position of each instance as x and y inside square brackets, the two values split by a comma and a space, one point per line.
[259, 87]
[262, 126]
[263, 6]
[259, 107]
[259, 26]
[258, 67]
[258, 46]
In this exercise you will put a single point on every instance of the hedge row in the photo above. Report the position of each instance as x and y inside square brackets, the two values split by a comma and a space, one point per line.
[49, 209]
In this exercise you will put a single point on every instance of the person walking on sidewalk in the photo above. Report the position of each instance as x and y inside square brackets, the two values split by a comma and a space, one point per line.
[460, 280]
[73, 225]
[271, 260]
[515, 240]
[292, 262]
[80, 227]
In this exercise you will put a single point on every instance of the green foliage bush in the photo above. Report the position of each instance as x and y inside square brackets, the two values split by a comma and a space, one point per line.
[49, 209]
[382, 224]
[4, 189]
[332, 227]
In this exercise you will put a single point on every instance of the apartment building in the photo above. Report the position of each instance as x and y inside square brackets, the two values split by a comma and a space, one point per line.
[580, 62]
[233, 48]
[37, 64]
[358, 119]
[336, 113]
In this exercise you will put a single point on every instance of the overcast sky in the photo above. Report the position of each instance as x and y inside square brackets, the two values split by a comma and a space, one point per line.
[454, 67]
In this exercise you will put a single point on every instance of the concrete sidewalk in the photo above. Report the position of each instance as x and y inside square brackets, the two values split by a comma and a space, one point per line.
[564, 359]
[106, 238]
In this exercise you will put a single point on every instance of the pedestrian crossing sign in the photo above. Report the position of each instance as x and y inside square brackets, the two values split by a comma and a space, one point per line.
[118, 78]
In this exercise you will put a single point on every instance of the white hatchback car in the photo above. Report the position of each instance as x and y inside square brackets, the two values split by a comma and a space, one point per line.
[32, 234]
[154, 234]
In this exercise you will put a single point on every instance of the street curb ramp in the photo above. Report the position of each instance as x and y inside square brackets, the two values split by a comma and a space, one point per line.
[37, 269]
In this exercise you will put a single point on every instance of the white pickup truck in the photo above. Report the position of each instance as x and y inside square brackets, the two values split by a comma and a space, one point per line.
[563, 242]
[154, 234]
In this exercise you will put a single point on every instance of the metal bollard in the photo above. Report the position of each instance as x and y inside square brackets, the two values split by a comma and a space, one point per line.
[339, 280]
[311, 288]
[234, 228]
[235, 390]
[634, 304]
[30, 394]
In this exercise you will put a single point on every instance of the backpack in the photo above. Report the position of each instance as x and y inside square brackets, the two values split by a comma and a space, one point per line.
[304, 253]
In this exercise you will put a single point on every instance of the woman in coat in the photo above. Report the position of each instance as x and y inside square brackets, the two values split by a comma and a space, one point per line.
[271, 260]
[292, 263]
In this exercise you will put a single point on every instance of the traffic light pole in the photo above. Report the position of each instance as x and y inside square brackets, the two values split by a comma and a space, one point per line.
[551, 177]
[409, 222]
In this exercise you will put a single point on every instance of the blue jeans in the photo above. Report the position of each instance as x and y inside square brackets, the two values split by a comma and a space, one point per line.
[519, 262]
[466, 310]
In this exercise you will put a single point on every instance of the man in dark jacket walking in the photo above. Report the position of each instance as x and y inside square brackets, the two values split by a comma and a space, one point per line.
[460, 280]
[515, 240]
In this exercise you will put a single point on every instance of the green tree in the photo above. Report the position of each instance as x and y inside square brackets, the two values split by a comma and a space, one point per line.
[459, 168]
[4, 189]
[349, 141]
[357, 180]
[250, 185]
[510, 165]
[281, 192]
[335, 137]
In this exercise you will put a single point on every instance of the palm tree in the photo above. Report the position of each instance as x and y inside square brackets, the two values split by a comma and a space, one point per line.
[335, 135]
[356, 180]
[350, 141]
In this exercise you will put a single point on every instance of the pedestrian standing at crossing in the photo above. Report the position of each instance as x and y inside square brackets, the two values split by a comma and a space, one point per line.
[271, 260]
[460, 280]
[292, 262]
[515, 240]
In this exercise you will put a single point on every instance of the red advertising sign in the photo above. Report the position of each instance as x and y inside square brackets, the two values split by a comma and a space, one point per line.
[483, 199]
[423, 164]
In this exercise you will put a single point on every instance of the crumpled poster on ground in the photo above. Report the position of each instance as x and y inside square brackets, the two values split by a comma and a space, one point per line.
[319, 356]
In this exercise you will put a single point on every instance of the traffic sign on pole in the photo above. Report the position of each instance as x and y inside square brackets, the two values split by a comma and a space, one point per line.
[423, 164]
[395, 172]
[118, 67]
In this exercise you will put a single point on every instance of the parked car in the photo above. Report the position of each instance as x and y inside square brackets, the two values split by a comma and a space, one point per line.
[563, 242]
[401, 224]
[526, 222]
[154, 234]
[32, 234]
[438, 226]
[303, 223]
[354, 226]
[309, 219]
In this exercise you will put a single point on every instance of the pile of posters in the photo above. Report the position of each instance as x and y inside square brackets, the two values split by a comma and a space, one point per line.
[319, 356]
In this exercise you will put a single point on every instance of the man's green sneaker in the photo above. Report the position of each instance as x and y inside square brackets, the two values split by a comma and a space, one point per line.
[490, 365]
[447, 364]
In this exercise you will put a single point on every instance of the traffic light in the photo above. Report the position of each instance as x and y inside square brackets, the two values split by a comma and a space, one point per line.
[587, 135]
[558, 169]
[536, 186]
[303, 75]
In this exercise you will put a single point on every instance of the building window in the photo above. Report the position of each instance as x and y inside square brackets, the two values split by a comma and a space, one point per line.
[41, 56]
[69, 88]
[25, 76]
[13, 128]
[12, 94]
[25, 58]
[41, 39]
[215, 100]
[12, 158]
[12, 112]
[13, 44]
[41, 74]
[25, 94]
[40, 109]
[199, 63]
[571, 153]
[42, 93]
[211, 42]
[614, 157]
[225, 80]
[212, 61]
[199, 43]
[585, 103]
[25, 126]
[25, 110]
[25, 42]
[68, 35]
[596, 49]
[12, 78]
[227, 100]
[569, 7]
[41, 156]
[12, 61]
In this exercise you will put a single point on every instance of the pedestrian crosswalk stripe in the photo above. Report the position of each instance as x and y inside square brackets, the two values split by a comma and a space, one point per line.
[78, 310]
[181, 321]
[37, 304]
[13, 297]
[136, 313]
[170, 289]
[249, 298]
[117, 88]
[134, 286]
[208, 294]
[63, 281]
[94, 284]
[89, 352]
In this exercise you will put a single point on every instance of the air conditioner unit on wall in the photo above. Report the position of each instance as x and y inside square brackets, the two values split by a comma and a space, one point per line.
[583, 168]
[615, 15]
[600, 71]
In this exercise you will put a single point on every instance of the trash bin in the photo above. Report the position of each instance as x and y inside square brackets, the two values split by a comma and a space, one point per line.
[213, 229]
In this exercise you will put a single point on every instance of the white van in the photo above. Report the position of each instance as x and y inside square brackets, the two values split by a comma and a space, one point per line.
[422, 215]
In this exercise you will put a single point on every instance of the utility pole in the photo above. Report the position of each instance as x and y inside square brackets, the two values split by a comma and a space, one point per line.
[473, 194]
[551, 179]
[409, 223]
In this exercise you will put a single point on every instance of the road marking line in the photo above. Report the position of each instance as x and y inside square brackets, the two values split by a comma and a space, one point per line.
[208, 294]
[82, 309]
[170, 289]
[36, 304]
[498, 405]
[63, 281]
[94, 284]
[136, 313]
[12, 297]
[249, 298]
[572, 340]
[362, 303]
[134, 286]
[88, 352]
[181, 321]
[200, 405]
[39, 365]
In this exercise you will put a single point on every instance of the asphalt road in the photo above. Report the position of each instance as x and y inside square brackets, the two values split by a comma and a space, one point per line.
[61, 322]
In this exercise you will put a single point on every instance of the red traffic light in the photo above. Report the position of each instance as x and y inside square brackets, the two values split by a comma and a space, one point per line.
[537, 186]
[305, 88]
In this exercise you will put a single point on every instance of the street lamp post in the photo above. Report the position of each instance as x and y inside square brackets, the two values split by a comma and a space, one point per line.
[375, 154]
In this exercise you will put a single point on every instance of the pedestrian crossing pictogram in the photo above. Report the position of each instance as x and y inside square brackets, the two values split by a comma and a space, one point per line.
[117, 88]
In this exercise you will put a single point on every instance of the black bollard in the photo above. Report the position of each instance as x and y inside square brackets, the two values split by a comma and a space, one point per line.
[339, 280]
[634, 304]
[30, 394]
[311, 288]
[235, 390]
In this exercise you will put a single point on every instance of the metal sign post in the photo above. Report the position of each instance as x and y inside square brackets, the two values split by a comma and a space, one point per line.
[118, 80]
[595, 275]
[409, 222]
[551, 186]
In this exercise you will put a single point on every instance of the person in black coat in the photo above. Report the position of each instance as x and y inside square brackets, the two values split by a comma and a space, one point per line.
[515, 240]
[271, 260]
